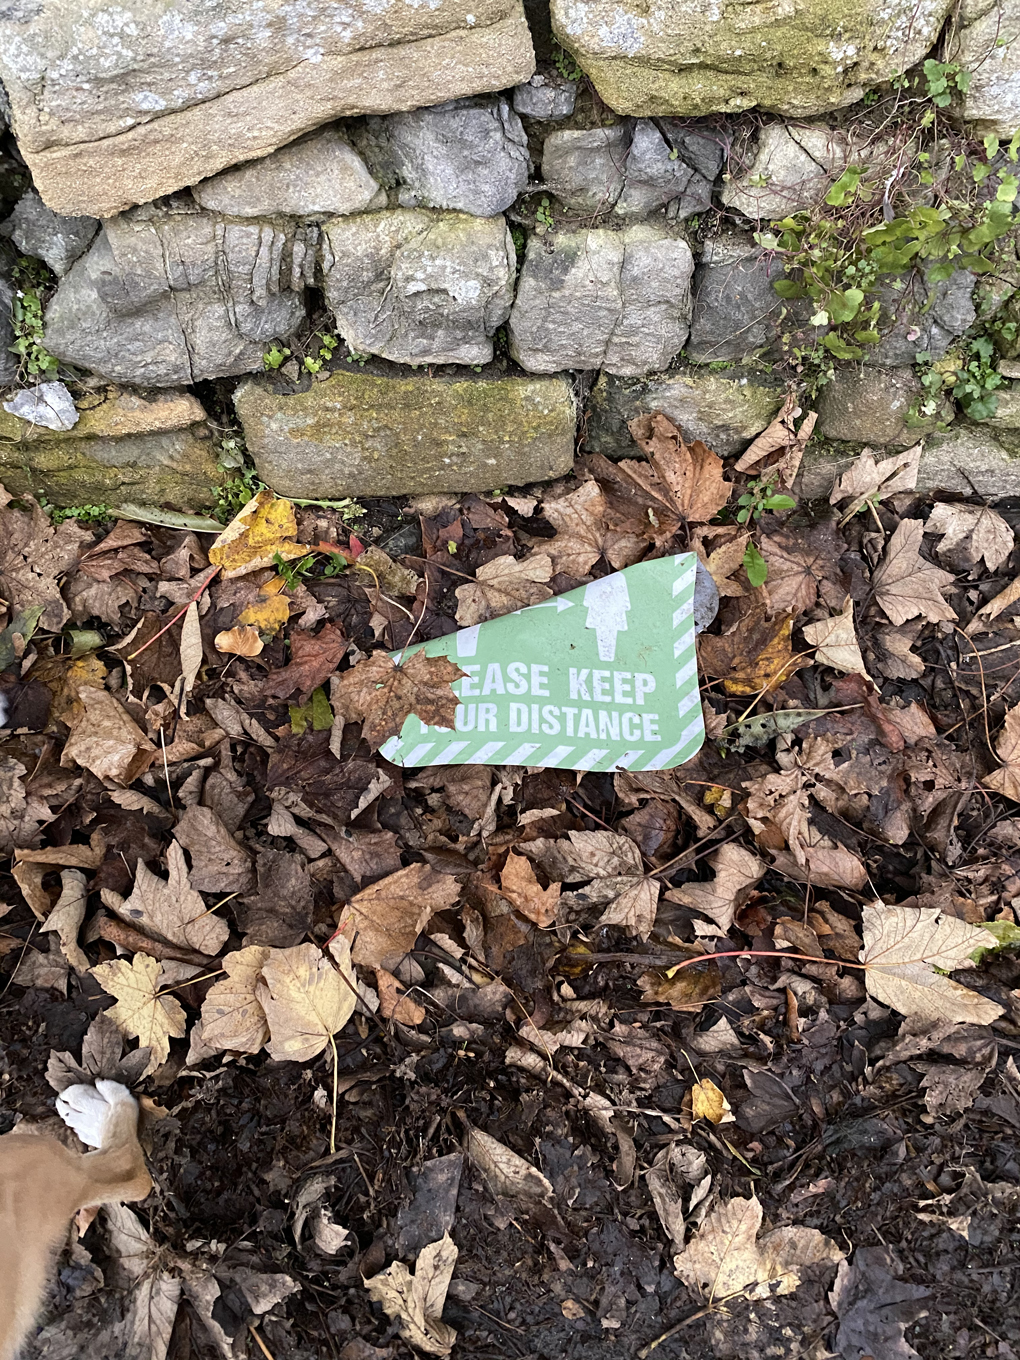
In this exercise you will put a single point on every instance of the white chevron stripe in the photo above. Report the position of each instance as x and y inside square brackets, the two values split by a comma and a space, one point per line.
[557, 754]
[445, 756]
[685, 580]
[685, 704]
[520, 756]
[626, 760]
[684, 611]
[592, 758]
[417, 753]
[686, 671]
[482, 755]
[389, 749]
[693, 732]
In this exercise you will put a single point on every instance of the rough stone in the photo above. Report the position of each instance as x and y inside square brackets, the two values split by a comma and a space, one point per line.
[319, 175]
[871, 405]
[37, 230]
[632, 169]
[725, 409]
[8, 361]
[117, 106]
[922, 318]
[691, 58]
[48, 404]
[618, 300]
[127, 447]
[735, 305]
[470, 155]
[419, 287]
[362, 434]
[797, 164]
[168, 296]
[547, 97]
[987, 45]
[1007, 410]
[967, 458]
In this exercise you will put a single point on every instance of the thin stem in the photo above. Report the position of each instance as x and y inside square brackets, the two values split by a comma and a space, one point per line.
[179, 615]
[332, 1127]
[763, 953]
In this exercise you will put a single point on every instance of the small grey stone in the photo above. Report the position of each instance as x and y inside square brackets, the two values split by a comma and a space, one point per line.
[433, 1208]
[320, 175]
[37, 230]
[706, 598]
[49, 404]
[585, 168]
[870, 406]
[735, 305]
[8, 361]
[1007, 410]
[618, 300]
[797, 165]
[546, 96]
[918, 317]
[469, 154]
[656, 173]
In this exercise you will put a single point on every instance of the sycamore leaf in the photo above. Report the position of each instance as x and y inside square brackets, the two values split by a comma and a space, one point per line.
[260, 531]
[803, 563]
[835, 641]
[692, 472]
[781, 437]
[416, 1301]
[314, 657]
[905, 585]
[708, 1102]
[970, 533]
[903, 946]
[380, 694]
[232, 1015]
[736, 872]
[754, 655]
[502, 586]
[616, 879]
[33, 555]
[867, 480]
[105, 740]
[170, 909]
[1006, 780]
[384, 920]
[239, 641]
[579, 521]
[141, 1013]
[306, 1000]
[521, 888]
[728, 1258]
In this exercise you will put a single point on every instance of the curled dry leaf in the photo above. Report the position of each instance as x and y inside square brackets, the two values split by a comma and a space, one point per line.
[243, 640]
[141, 1013]
[905, 585]
[385, 919]
[903, 946]
[67, 915]
[867, 480]
[261, 530]
[835, 641]
[736, 872]
[416, 1301]
[503, 586]
[1006, 780]
[781, 437]
[970, 533]
[520, 886]
[232, 1015]
[506, 1174]
[306, 999]
[105, 740]
[692, 472]
[380, 694]
[394, 1004]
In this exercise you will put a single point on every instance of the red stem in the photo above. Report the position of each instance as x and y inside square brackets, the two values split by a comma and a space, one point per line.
[180, 614]
[764, 953]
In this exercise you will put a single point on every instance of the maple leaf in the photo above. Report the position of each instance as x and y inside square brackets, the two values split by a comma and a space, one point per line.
[1006, 780]
[232, 1015]
[170, 909]
[639, 504]
[692, 472]
[219, 862]
[995, 606]
[755, 653]
[21, 816]
[728, 1258]
[521, 888]
[611, 865]
[262, 530]
[867, 480]
[903, 946]
[835, 641]
[503, 586]
[416, 1301]
[736, 872]
[905, 585]
[803, 565]
[105, 740]
[782, 437]
[386, 918]
[380, 694]
[970, 533]
[306, 1000]
[313, 658]
[33, 555]
[584, 534]
[141, 1013]
[890, 652]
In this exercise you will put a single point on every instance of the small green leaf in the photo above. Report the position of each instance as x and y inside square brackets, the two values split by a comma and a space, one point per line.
[845, 187]
[755, 566]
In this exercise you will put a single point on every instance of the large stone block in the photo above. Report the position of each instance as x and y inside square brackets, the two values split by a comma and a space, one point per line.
[735, 306]
[793, 168]
[688, 57]
[318, 175]
[872, 406]
[470, 155]
[117, 105]
[987, 45]
[967, 459]
[725, 409]
[127, 447]
[419, 287]
[618, 300]
[169, 296]
[365, 434]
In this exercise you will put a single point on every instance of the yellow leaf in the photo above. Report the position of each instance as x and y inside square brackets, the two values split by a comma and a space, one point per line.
[239, 641]
[263, 528]
[708, 1102]
[140, 1012]
[232, 1016]
[306, 999]
[769, 668]
[268, 616]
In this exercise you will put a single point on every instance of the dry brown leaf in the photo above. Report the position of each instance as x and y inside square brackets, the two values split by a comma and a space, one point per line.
[1006, 780]
[306, 1000]
[380, 694]
[21, 816]
[891, 653]
[506, 1174]
[394, 1004]
[903, 946]
[67, 915]
[314, 657]
[416, 1301]
[996, 606]
[141, 1013]
[754, 655]
[384, 920]
[867, 480]
[736, 872]
[970, 533]
[683, 989]
[822, 864]
[33, 556]
[725, 562]
[105, 740]
[219, 863]
[192, 651]
[784, 438]
[905, 585]
[692, 472]
[522, 890]
[708, 1102]
[391, 576]
[803, 564]
[835, 641]
[243, 640]
[259, 531]
[728, 1258]
[503, 586]
[232, 1015]
[613, 865]
[170, 909]
[580, 523]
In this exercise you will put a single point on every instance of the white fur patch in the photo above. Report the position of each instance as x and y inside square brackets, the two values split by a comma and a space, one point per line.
[91, 1110]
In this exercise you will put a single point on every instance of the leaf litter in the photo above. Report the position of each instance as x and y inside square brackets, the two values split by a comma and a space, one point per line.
[651, 1012]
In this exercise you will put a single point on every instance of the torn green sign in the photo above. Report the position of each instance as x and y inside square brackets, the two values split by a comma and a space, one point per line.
[602, 678]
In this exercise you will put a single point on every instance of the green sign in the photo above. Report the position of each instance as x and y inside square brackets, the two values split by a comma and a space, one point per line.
[602, 678]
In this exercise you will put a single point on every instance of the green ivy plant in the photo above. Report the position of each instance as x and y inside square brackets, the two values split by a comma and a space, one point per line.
[31, 281]
[275, 356]
[751, 505]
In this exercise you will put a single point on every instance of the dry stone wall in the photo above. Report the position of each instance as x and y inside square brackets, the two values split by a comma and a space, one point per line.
[457, 260]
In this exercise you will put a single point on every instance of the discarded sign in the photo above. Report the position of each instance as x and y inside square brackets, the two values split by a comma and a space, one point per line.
[602, 678]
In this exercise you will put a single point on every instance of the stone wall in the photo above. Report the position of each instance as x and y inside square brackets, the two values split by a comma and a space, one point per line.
[470, 257]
